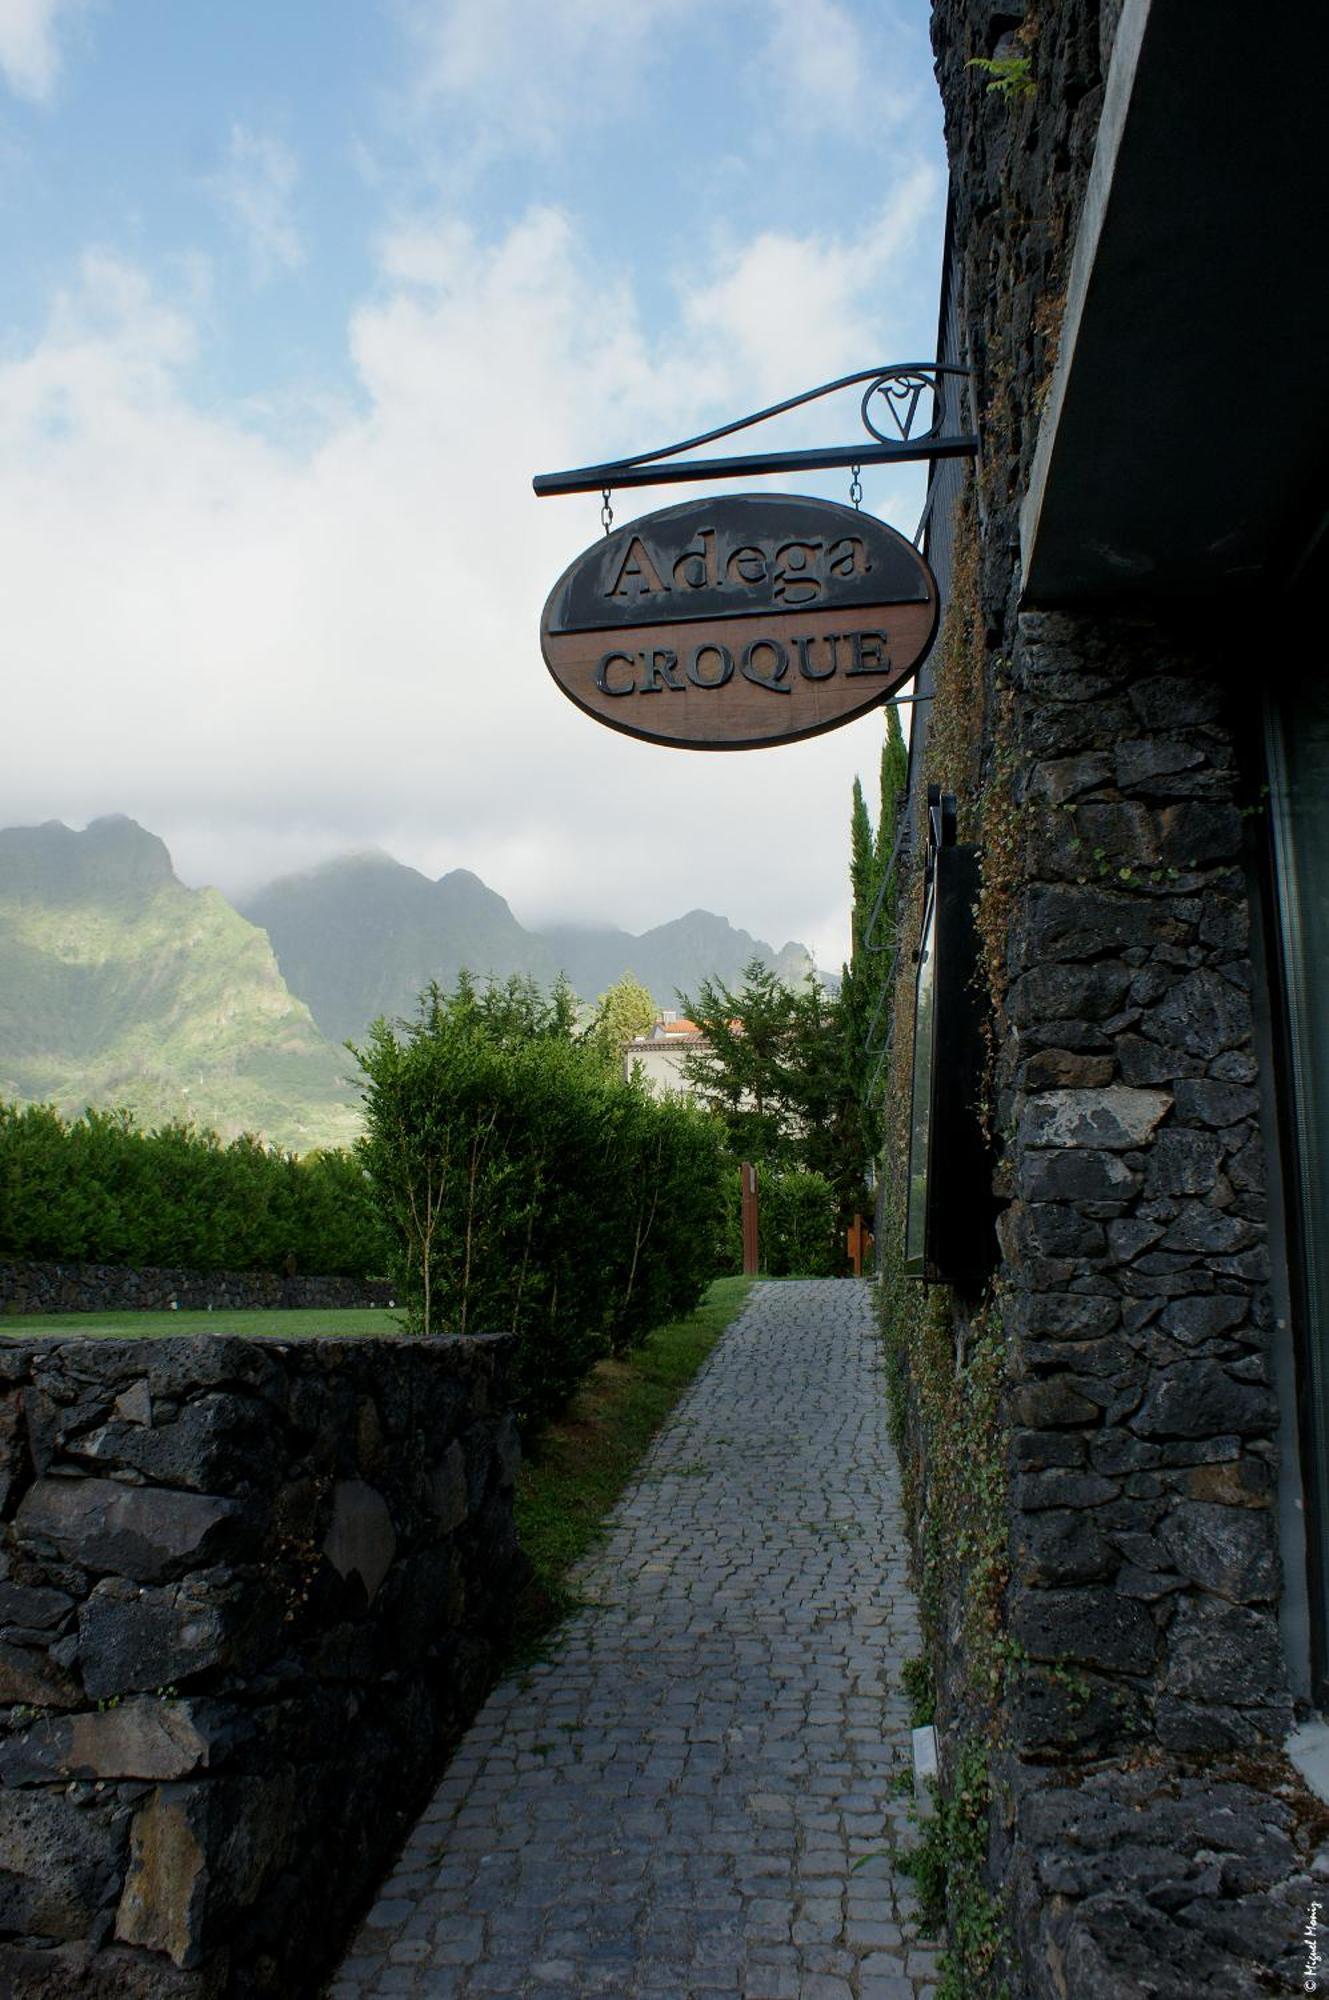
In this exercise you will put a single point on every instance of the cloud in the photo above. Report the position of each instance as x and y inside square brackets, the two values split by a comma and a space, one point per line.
[256, 193]
[29, 44]
[815, 61]
[788, 310]
[523, 71]
[270, 653]
[519, 74]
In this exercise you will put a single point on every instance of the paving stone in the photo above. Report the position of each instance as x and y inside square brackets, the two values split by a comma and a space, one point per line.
[885, 1965]
[872, 1928]
[670, 1805]
[762, 1982]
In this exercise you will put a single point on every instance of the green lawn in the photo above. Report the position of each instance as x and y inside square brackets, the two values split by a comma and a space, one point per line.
[152, 1325]
[574, 1472]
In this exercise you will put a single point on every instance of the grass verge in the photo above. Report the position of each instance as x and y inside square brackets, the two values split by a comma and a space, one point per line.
[576, 1469]
[272, 1325]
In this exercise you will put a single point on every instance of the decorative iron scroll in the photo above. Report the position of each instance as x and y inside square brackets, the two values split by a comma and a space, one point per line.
[896, 394]
[901, 390]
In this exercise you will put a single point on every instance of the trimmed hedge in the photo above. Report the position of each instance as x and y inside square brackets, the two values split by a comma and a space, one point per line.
[98, 1190]
[527, 1188]
[797, 1225]
[798, 1232]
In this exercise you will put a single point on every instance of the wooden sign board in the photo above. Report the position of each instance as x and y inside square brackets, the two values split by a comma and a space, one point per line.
[736, 623]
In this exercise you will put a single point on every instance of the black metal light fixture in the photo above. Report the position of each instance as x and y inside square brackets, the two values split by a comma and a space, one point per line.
[949, 1211]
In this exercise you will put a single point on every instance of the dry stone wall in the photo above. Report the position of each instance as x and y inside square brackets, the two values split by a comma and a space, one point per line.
[249, 1591]
[34, 1287]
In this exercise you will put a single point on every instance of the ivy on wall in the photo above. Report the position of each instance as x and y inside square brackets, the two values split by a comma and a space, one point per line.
[945, 1366]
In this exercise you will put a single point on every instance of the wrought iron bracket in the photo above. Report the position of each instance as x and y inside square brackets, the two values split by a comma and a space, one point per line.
[893, 397]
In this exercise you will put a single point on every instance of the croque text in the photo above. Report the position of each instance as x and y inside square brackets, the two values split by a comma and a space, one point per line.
[764, 662]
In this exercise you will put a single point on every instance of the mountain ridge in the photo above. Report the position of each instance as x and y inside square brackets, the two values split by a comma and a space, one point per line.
[120, 986]
[412, 930]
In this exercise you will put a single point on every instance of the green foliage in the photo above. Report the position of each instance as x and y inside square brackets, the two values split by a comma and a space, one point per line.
[776, 1068]
[946, 1422]
[622, 1015]
[916, 1680]
[866, 980]
[1009, 76]
[511, 1012]
[797, 1225]
[946, 1370]
[120, 987]
[526, 1190]
[947, 1867]
[98, 1190]
[798, 1232]
[746, 1070]
[250, 1323]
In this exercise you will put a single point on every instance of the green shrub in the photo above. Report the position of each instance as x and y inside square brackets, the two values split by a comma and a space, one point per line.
[729, 1235]
[98, 1190]
[916, 1681]
[527, 1189]
[797, 1226]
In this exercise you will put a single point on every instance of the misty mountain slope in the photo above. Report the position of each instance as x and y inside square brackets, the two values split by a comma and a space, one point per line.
[672, 958]
[120, 986]
[363, 935]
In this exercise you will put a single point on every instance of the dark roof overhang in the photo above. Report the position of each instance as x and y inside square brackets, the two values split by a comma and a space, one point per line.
[1182, 449]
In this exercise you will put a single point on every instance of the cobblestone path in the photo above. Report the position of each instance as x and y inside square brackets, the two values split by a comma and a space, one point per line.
[672, 1805]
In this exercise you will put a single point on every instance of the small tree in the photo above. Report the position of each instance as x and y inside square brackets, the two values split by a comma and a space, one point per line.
[745, 1069]
[868, 978]
[778, 1068]
[622, 1014]
[410, 1142]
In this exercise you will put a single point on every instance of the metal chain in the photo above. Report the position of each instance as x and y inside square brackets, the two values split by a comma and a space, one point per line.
[856, 486]
[606, 511]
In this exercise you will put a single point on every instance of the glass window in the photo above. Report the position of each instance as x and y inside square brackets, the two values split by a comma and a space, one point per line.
[1299, 789]
[920, 1116]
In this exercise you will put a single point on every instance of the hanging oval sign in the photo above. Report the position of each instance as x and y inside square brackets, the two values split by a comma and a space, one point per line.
[733, 624]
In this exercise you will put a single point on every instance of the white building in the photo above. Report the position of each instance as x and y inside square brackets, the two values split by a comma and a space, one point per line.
[660, 1054]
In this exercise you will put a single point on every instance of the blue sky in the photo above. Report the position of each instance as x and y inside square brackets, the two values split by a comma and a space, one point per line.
[297, 299]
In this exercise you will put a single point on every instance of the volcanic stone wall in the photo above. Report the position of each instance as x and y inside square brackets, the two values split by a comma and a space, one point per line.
[1144, 1566]
[1134, 1246]
[1146, 1836]
[249, 1591]
[34, 1287]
